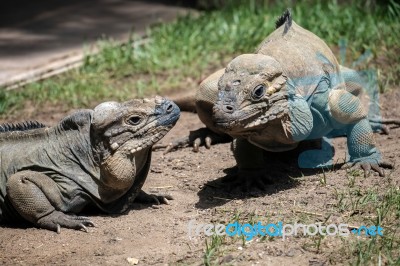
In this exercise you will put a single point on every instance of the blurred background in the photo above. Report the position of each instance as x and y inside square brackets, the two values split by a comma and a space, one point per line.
[74, 54]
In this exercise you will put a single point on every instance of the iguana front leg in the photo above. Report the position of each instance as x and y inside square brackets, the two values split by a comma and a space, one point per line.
[345, 108]
[366, 90]
[37, 198]
[362, 150]
[251, 164]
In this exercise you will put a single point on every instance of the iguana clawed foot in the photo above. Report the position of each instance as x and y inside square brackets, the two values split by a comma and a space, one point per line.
[55, 220]
[143, 197]
[367, 167]
[248, 180]
[382, 124]
[200, 137]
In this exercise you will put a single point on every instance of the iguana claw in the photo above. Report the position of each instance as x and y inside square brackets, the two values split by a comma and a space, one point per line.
[366, 167]
[200, 141]
[381, 124]
[196, 138]
[143, 197]
[248, 180]
[55, 220]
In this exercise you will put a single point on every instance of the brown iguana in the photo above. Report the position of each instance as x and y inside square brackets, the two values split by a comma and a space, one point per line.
[290, 90]
[97, 157]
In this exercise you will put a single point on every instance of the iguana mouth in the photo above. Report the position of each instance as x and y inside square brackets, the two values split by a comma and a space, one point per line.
[150, 141]
[246, 122]
[235, 121]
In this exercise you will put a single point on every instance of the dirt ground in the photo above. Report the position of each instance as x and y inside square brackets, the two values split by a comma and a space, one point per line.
[158, 235]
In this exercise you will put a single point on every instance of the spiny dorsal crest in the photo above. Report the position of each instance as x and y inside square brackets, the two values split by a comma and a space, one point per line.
[28, 125]
[285, 18]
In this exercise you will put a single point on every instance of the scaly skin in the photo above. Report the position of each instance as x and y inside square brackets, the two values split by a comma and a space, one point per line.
[290, 90]
[97, 157]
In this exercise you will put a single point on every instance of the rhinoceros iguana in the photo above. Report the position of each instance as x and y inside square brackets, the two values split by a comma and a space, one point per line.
[290, 90]
[97, 157]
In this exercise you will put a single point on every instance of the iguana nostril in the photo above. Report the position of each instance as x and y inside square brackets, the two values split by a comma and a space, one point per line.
[170, 108]
[228, 108]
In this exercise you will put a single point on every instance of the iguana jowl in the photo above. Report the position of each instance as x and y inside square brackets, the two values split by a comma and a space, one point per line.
[97, 157]
[291, 89]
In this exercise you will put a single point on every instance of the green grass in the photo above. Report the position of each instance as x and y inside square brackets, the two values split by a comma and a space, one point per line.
[381, 209]
[355, 207]
[212, 250]
[179, 54]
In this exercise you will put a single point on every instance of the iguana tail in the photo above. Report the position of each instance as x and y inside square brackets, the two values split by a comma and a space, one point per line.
[186, 103]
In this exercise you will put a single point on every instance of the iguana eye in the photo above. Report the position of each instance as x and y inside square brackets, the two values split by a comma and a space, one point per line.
[258, 92]
[134, 120]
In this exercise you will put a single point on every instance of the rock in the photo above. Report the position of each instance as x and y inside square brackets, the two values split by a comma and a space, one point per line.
[132, 261]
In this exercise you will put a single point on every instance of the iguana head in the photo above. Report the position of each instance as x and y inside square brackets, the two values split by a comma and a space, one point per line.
[122, 136]
[132, 126]
[251, 93]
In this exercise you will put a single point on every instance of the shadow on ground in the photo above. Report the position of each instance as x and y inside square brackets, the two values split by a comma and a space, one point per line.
[282, 173]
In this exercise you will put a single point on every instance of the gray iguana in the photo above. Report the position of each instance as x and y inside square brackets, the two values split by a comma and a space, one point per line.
[290, 90]
[97, 157]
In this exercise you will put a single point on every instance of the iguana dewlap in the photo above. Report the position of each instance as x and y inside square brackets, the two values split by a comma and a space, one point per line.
[97, 157]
